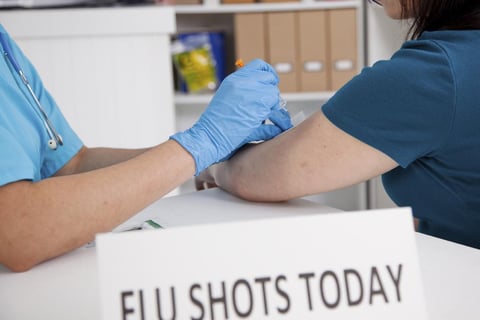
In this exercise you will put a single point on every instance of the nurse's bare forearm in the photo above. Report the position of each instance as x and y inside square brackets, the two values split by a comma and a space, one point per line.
[45, 219]
[94, 158]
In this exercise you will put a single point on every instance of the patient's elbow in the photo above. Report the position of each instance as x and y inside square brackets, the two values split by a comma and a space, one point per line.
[251, 188]
[248, 190]
[236, 184]
[243, 193]
[18, 265]
[16, 259]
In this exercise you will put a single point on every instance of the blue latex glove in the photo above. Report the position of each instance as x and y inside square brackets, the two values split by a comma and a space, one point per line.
[236, 115]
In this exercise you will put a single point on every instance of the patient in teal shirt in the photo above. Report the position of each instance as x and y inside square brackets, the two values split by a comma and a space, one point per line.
[422, 109]
[413, 119]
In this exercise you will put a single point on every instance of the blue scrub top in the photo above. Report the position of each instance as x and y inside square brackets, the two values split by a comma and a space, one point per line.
[24, 153]
[422, 108]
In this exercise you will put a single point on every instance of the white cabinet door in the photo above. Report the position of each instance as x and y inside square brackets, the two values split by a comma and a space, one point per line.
[108, 69]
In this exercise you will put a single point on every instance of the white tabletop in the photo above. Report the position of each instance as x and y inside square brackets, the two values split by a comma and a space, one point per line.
[67, 287]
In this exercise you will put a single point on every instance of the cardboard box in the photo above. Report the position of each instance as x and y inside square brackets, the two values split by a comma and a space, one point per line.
[343, 46]
[313, 58]
[282, 48]
[310, 50]
[250, 36]
[237, 1]
[278, 0]
[182, 2]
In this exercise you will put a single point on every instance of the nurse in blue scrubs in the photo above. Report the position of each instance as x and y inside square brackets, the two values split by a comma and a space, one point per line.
[56, 194]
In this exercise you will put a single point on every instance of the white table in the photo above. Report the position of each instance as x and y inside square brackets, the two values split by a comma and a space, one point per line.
[66, 287]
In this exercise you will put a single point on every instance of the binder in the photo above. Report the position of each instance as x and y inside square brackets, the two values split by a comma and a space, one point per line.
[342, 24]
[249, 34]
[282, 46]
[310, 50]
[237, 1]
[313, 61]
[272, 1]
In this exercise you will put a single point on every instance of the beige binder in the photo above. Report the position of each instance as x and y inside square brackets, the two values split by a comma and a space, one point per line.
[282, 46]
[343, 45]
[313, 61]
[279, 0]
[250, 35]
[237, 1]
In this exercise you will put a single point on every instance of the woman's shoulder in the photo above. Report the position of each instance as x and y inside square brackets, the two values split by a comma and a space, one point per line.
[446, 46]
[422, 52]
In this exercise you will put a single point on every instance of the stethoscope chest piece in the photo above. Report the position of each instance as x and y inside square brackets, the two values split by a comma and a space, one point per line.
[55, 139]
[52, 144]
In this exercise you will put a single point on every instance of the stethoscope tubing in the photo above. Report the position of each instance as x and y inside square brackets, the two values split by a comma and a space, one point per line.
[53, 134]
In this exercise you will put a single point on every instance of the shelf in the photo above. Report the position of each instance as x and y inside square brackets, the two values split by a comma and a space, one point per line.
[213, 15]
[215, 7]
[204, 99]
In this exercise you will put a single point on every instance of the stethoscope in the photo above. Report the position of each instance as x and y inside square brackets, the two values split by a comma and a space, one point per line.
[55, 139]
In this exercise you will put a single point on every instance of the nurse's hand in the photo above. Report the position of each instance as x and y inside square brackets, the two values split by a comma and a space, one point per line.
[236, 115]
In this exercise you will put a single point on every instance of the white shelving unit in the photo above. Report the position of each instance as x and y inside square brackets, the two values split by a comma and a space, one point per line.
[213, 15]
[192, 99]
[378, 38]
[215, 6]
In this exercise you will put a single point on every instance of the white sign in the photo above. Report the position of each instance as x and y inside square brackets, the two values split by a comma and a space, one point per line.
[357, 265]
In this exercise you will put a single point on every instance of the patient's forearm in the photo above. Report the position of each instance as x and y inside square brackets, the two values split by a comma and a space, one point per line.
[311, 158]
[260, 173]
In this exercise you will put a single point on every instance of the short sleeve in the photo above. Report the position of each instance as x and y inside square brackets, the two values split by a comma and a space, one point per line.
[55, 160]
[15, 163]
[24, 151]
[403, 107]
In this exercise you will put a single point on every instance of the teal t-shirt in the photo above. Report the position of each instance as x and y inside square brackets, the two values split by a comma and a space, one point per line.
[422, 108]
[24, 153]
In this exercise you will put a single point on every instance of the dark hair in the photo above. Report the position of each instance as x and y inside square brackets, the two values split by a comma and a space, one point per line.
[430, 15]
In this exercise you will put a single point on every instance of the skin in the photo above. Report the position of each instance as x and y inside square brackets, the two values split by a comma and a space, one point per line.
[392, 8]
[45, 219]
[311, 158]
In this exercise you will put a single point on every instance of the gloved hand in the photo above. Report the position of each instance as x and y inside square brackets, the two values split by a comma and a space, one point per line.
[236, 115]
